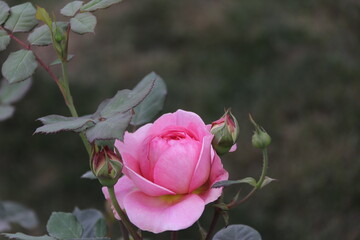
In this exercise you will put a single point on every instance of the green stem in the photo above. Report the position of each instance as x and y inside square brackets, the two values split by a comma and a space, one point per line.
[213, 223]
[125, 232]
[70, 102]
[258, 184]
[122, 215]
[264, 169]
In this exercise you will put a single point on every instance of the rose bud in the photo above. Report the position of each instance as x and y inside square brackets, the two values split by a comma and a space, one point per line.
[106, 166]
[261, 139]
[226, 133]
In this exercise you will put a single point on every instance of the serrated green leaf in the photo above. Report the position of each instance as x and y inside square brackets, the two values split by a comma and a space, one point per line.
[88, 219]
[10, 93]
[226, 183]
[153, 103]
[71, 8]
[237, 232]
[40, 36]
[89, 175]
[4, 40]
[110, 128]
[22, 18]
[19, 214]
[4, 11]
[98, 4]
[19, 66]
[58, 61]
[6, 112]
[43, 15]
[64, 226]
[266, 181]
[55, 123]
[83, 23]
[100, 230]
[125, 100]
[21, 236]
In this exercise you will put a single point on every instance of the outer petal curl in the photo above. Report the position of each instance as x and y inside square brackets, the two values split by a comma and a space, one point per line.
[158, 214]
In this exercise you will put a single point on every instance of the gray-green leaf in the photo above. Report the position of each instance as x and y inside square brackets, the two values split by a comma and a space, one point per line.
[153, 103]
[19, 214]
[226, 183]
[22, 18]
[83, 23]
[19, 66]
[88, 219]
[6, 112]
[4, 11]
[100, 230]
[71, 8]
[98, 4]
[40, 36]
[110, 128]
[4, 40]
[64, 226]
[237, 232]
[56, 123]
[89, 175]
[125, 100]
[10, 93]
[21, 236]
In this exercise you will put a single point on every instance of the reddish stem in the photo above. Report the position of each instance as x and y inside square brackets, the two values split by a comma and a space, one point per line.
[38, 59]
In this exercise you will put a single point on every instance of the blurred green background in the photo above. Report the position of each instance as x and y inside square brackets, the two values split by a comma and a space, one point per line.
[294, 65]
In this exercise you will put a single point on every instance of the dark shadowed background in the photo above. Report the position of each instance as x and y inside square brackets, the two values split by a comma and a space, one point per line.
[294, 65]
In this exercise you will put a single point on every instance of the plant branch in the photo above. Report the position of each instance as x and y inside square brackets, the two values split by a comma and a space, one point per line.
[174, 235]
[258, 184]
[264, 169]
[125, 232]
[38, 59]
[213, 223]
[122, 215]
[70, 103]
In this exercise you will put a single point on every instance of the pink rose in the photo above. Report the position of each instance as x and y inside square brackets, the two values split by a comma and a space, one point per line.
[169, 168]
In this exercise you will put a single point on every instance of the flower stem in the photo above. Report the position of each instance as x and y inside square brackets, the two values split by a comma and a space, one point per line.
[70, 102]
[61, 83]
[174, 235]
[125, 232]
[213, 223]
[122, 215]
[264, 169]
[258, 184]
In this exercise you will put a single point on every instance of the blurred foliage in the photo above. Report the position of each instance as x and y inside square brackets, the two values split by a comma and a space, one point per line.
[293, 64]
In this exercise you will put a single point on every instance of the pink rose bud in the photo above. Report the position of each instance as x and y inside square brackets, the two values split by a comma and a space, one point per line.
[226, 133]
[106, 166]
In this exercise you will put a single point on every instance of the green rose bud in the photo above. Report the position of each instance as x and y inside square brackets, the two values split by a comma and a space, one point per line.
[261, 139]
[226, 133]
[106, 166]
[58, 36]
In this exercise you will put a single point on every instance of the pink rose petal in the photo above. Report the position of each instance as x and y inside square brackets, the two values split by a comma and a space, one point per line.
[202, 169]
[145, 185]
[218, 173]
[180, 118]
[157, 215]
[175, 167]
